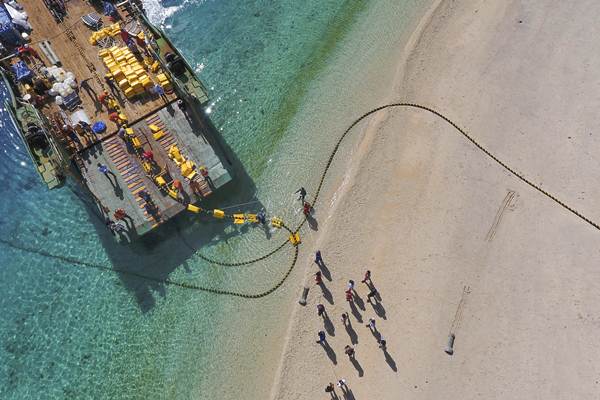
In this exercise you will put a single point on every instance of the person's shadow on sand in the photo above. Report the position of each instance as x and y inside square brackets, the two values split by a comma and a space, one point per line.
[329, 326]
[312, 223]
[359, 301]
[330, 352]
[324, 270]
[390, 361]
[379, 309]
[355, 312]
[357, 367]
[351, 333]
[326, 293]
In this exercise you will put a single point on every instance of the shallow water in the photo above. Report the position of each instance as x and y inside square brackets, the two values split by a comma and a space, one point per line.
[285, 80]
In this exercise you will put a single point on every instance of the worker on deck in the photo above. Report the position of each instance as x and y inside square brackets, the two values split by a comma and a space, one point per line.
[148, 155]
[145, 196]
[110, 82]
[26, 51]
[120, 214]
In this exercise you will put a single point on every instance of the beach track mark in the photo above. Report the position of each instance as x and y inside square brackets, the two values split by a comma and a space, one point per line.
[507, 204]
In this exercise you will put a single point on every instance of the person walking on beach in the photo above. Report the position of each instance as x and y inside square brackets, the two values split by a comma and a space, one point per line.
[318, 258]
[382, 343]
[330, 389]
[322, 337]
[345, 320]
[349, 351]
[321, 310]
[302, 193]
[371, 325]
[351, 286]
[367, 277]
[318, 278]
[349, 296]
[342, 385]
[372, 293]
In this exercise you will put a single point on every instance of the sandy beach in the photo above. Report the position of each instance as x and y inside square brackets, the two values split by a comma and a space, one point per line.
[456, 243]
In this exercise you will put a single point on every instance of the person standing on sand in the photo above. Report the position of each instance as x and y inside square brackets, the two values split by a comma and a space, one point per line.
[367, 277]
[349, 296]
[342, 385]
[372, 293]
[321, 310]
[349, 351]
[318, 258]
[371, 325]
[330, 389]
[322, 337]
[351, 285]
[345, 319]
[382, 343]
[318, 278]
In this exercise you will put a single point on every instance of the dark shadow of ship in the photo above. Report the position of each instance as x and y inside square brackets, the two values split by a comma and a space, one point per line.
[158, 253]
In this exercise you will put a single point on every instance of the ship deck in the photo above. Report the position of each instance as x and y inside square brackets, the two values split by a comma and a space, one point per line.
[127, 178]
[121, 187]
[69, 40]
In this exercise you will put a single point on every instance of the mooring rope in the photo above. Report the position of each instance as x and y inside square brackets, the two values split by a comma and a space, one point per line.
[297, 229]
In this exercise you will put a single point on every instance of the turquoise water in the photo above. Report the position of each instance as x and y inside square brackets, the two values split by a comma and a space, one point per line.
[70, 330]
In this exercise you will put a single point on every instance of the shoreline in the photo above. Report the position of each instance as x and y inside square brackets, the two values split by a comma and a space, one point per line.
[367, 135]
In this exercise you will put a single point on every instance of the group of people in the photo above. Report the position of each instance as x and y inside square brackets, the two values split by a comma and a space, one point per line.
[350, 294]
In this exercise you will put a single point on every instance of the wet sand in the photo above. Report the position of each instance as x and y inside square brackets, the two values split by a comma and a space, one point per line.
[454, 241]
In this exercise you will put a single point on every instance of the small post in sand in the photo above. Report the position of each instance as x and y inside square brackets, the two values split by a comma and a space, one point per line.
[450, 346]
[302, 300]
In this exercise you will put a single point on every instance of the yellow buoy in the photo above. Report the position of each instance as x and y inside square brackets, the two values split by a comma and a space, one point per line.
[295, 239]
[218, 213]
[238, 218]
[193, 208]
[277, 222]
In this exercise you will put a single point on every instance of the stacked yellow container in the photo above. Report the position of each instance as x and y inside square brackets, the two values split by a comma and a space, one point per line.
[164, 81]
[112, 30]
[126, 70]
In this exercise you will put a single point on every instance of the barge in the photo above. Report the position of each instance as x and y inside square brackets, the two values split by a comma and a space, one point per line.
[100, 94]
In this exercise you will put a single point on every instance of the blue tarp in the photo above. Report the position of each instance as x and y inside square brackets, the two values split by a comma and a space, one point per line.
[109, 8]
[98, 127]
[21, 71]
[8, 33]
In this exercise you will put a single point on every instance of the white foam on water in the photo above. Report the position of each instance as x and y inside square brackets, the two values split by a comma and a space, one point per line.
[158, 13]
